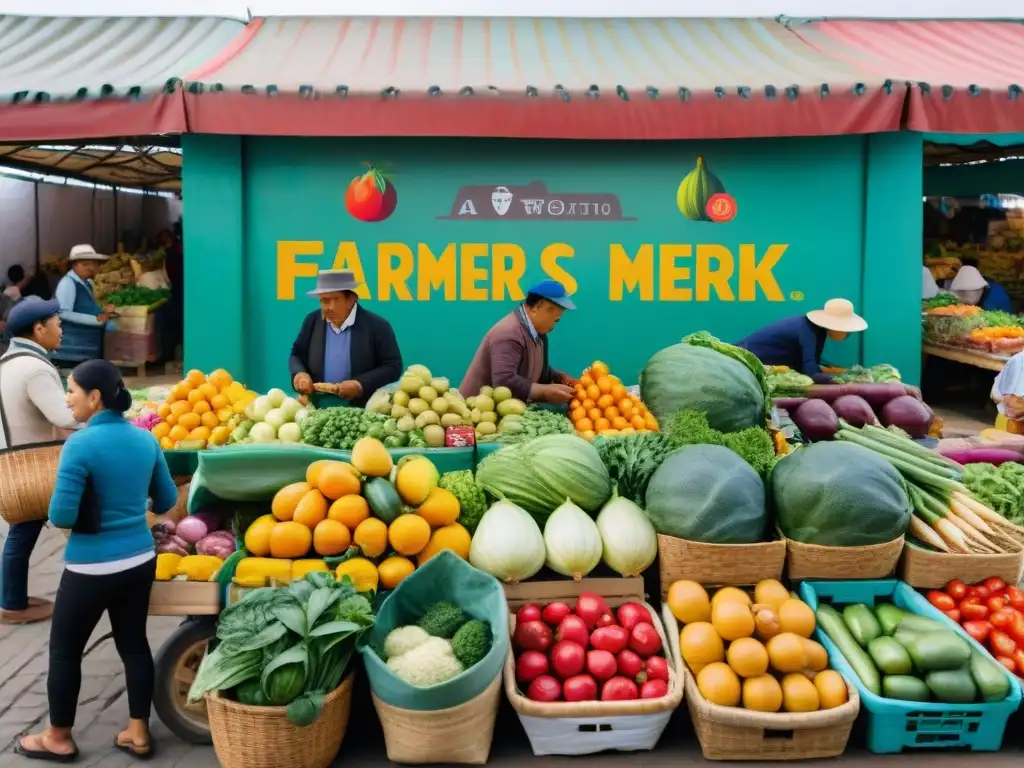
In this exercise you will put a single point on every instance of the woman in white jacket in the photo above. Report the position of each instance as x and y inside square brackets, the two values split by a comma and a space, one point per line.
[32, 410]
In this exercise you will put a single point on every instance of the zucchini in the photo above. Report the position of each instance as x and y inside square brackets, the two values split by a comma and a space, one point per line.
[831, 623]
[890, 657]
[383, 499]
[913, 623]
[904, 636]
[889, 617]
[939, 651]
[905, 688]
[989, 676]
[954, 686]
[862, 623]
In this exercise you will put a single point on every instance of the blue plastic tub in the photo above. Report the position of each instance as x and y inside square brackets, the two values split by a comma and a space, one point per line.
[893, 726]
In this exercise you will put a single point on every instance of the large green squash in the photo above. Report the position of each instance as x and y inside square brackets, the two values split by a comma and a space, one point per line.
[686, 377]
[839, 495]
[709, 494]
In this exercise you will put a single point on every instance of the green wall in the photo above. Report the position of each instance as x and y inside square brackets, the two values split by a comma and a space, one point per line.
[843, 212]
[1001, 178]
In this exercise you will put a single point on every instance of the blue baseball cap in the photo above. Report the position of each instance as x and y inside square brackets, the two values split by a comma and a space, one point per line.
[29, 311]
[553, 291]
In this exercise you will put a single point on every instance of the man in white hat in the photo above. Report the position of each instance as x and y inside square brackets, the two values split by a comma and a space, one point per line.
[343, 353]
[798, 341]
[971, 288]
[75, 290]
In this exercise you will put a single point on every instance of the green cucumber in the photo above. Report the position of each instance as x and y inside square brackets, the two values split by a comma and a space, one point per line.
[905, 688]
[913, 623]
[905, 636]
[862, 623]
[889, 616]
[989, 676]
[830, 621]
[939, 651]
[953, 686]
[890, 657]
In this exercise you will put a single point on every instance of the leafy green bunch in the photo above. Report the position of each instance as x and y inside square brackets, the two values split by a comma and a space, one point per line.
[632, 459]
[286, 646]
[339, 427]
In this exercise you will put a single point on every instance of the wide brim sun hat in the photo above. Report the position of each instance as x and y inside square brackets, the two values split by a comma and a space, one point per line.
[334, 281]
[838, 315]
[86, 253]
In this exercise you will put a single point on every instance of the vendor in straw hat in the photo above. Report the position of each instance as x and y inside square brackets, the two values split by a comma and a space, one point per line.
[798, 341]
[343, 352]
[75, 291]
[972, 288]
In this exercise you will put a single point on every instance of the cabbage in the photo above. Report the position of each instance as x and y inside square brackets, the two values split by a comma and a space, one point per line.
[541, 474]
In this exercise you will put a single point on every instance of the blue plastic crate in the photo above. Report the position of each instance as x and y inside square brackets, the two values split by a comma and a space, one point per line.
[893, 726]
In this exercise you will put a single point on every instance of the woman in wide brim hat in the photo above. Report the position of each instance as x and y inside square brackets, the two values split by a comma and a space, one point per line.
[797, 342]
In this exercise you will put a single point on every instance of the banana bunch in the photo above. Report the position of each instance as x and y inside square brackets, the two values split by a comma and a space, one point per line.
[695, 190]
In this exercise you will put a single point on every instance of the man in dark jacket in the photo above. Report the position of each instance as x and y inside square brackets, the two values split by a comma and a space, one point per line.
[343, 353]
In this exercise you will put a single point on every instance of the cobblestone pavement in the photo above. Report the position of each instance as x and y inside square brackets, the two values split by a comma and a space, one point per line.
[103, 707]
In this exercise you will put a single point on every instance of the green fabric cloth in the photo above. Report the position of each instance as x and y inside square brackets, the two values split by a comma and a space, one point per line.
[324, 400]
[445, 577]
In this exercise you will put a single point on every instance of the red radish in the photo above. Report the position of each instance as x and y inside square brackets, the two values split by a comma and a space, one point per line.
[574, 630]
[656, 668]
[544, 688]
[553, 613]
[580, 688]
[591, 608]
[612, 639]
[631, 614]
[602, 665]
[631, 666]
[645, 640]
[528, 612]
[530, 666]
[654, 689]
[619, 689]
[568, 659]
[533, 636]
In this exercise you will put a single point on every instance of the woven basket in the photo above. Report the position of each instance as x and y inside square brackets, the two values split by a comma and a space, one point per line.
[460, 735]
[926, 569]
[261, 737]
[811, 561]
[718, 564]
[27, 477]
[734, 733]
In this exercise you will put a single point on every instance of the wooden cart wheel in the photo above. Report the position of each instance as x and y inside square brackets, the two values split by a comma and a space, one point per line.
[176, 663]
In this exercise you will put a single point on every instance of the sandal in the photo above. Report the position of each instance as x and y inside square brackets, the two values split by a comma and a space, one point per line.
[133, 750]
[44, 754]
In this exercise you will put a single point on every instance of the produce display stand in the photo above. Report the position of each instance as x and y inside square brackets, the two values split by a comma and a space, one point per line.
[811, 561]
[927, 569]
[718, 564]
[892, 725]
[132, 341]
[985, 360]
[588, 727]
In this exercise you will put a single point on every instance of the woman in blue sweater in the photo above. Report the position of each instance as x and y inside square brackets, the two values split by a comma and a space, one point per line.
[107, 471]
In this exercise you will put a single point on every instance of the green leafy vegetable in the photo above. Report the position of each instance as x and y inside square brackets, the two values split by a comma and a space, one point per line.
[632, 459]
[137, 296]
[442, 620]
[692, 428]
[1000, 488]
[471, 642]
[755, 446]
[341, 427]
[536, 422]
[472, 501]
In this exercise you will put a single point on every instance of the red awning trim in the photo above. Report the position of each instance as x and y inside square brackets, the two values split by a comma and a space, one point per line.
[647, 116]
[960, 110]
[102, 118]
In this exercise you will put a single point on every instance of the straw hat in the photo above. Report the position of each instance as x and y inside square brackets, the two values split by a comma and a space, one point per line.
[86, 253]
[838, 315]
[334, 281]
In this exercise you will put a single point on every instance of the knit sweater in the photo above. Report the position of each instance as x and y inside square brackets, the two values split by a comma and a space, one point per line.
[124, 465]
[32, 396]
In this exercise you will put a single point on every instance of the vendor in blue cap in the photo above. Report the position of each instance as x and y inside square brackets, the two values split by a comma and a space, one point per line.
[514, 352]
[32, 409]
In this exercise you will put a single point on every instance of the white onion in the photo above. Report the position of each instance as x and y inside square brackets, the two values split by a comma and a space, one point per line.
[276, 397]
[630, 541]
[262, 432]
[572, 540]
[507, 543]
[289, 432]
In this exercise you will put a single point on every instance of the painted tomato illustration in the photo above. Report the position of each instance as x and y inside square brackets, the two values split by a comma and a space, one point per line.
[371, 197]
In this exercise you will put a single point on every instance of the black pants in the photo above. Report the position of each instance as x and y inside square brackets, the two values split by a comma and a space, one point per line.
[81, 601]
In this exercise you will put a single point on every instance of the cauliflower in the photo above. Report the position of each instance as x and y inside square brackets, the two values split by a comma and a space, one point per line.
[430, 663]
[401, 640]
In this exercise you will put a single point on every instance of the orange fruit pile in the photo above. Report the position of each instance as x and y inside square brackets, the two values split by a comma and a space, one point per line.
[201, 409]
[603, 406]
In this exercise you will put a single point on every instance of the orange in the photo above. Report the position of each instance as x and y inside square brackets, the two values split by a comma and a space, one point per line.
[166, 443]
[172, 419]
[578, 413]
[209, 420]
[199, 433]
[586, 381]
[593, 392]
[588, 434]
[208, 390]
[594, 414]
[161, 430]
[619, 392]
[189, 420]
[605, 384]
[574, 404]
[587, 404]
[219, 401]
[220, 435]
[178, 433]
[409, 534]
[599, 368]
[195, 396]
[180, 407]
[627, 431]
[611, 412]
[163, 410]
[195, 377]
[201, 407]
[638, 422]
[181, 390]
[331, 538]
[600, 425]
[650, 422]
[220, 378]
[371, 536]
[393, 570]
[619, 423]
[349, 510]
[584, 425]
[604, 401]
[311, 509]
[225, 414]
[289, 540]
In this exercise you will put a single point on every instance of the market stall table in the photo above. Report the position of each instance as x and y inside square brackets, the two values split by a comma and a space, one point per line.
[985, 360]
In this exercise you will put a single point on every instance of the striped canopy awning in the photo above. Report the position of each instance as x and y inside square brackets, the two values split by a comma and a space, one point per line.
[965, 76]
[531, 77]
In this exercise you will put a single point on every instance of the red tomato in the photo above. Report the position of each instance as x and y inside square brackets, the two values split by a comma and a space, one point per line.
[1002, 643]
[1018, 658]
[971, 609]
[1016, 628]
[995, 585]
[954, 614]
[371, 197]
[979, 591]
[1015, 598]
[956, 589]
[1007, 662]
[995, 603]
[979, 630]
[1001, 619]
[941, 600]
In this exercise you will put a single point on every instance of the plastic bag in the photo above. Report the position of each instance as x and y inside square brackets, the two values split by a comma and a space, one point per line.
[446, 576]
